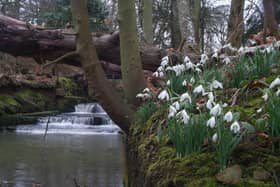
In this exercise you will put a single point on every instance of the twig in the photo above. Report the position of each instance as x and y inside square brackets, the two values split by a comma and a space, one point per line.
[47, 127]
[234, 97]
[59, 59]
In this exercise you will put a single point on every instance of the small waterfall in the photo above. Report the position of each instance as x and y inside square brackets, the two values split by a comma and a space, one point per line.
[88, 118]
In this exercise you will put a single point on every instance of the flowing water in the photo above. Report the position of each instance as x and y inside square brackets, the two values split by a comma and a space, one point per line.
[81, 148]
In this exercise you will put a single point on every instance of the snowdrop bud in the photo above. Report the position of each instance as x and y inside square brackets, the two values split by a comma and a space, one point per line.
[228, 116]
[172, 110]
[185, 96]
[168, 83]
[163, 95]
[164, 61]
[278, 92]
[265, 97]
[140, 95]
[215, 138]
[225, 105]
[235, 127]
[155, 74]
[211, 122]
[274, 83]
[216, 110]
[184, 83]
[199, 89]
[259, 110]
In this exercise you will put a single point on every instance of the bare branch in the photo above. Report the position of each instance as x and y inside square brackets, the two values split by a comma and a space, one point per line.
[67, 55]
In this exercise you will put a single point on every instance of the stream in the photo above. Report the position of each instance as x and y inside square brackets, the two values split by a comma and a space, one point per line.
[82, 148]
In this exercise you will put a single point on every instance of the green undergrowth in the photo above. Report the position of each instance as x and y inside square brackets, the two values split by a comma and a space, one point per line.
[68, 85]
[159, 165]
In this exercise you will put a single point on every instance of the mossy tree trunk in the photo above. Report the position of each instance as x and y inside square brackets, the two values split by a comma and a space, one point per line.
[270, 23]
[98, 85]
[235, 23]
[148, 20]
[176, 34]
[132, 74]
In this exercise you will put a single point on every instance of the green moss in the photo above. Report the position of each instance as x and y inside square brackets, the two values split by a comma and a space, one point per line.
[9, 104]
[69, 86]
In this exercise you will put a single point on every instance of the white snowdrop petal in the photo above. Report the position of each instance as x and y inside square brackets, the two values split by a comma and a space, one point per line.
[215, 138]
[265, 97]
[235, 127]
[211, 122]
[228, 117]
[216, 110]
[274, 83]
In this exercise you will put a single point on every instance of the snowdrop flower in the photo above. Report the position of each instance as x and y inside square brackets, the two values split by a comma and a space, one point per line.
[215, 138]
[274, 83]
[163, 95]
[187, 60]
[189, 65]
[184, 117]
[160, 69]
[199, 89]
[235, 127]
[146, 96]
[227, 61]
[241, 49]
[211, 122]
[155, 74]
[146, 90]
[278, 92]
[161, 74]
[211, 96]
[176, 105]
[259, 110]
[198, 70]
[203, 58]
[172, 111]
[168, 83]
[215, 55]
[164, 61]
[192, 80]
[185, 96]
[265, 97]
[209, 104]
[184, 83]
[216, 84]
[216, 110]
[225, 105]
[228, 116]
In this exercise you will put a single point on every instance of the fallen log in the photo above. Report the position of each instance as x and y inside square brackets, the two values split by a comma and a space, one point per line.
[22, 39]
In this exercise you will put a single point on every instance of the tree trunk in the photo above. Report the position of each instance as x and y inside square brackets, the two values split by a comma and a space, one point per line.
[235, 23]
[98, 85]
[270, 23]
[176, 34]
[148, 20]
[196, 13]
[132, 73]
[22, 39]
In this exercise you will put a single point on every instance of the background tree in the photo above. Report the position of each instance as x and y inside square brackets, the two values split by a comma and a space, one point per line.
[235, 23]
[270, 23]
[148, 20]
[176, 35]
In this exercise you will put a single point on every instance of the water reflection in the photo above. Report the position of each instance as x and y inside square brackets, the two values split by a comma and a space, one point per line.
[27, 159]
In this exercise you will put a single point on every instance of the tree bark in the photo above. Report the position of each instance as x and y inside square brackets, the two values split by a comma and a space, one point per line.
[176, 34]
[21, 39]
[235, 23]
[148, 20]
[98, 85]
[196, 13]
[132, 72]
[270, 23]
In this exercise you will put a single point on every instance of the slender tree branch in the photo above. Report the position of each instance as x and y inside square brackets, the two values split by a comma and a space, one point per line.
[59, 59]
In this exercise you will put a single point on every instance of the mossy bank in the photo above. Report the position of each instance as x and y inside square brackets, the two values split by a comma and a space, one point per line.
[153, 162]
